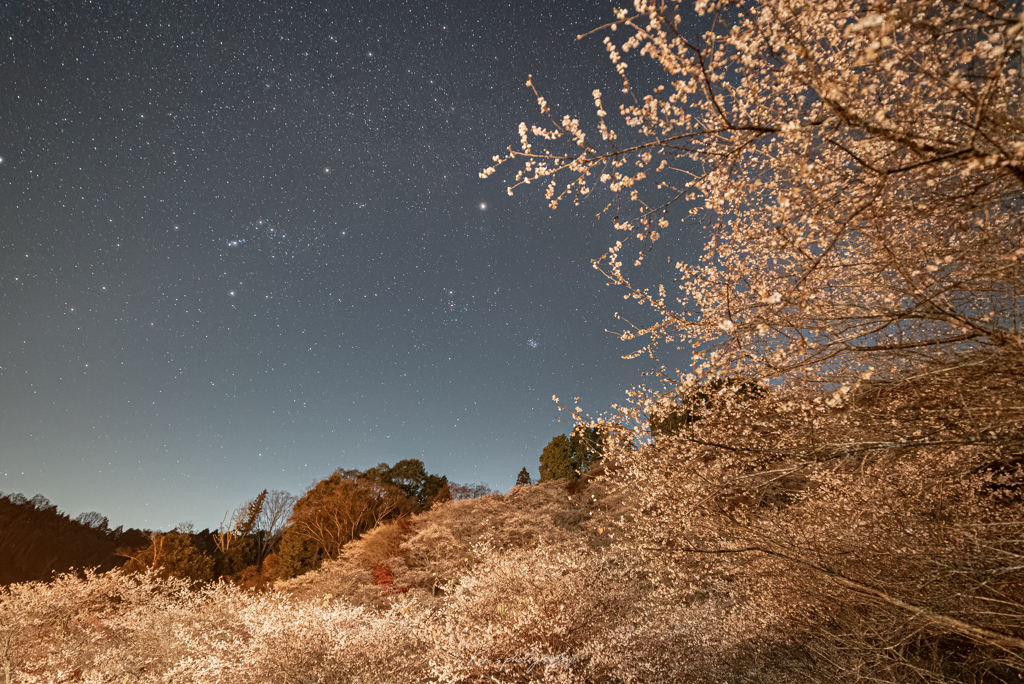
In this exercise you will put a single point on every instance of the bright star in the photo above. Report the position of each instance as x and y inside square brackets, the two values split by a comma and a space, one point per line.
[483, 206]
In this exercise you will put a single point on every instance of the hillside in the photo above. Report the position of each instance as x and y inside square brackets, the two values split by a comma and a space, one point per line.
[545, 583]
[527, 586]
[423, 554]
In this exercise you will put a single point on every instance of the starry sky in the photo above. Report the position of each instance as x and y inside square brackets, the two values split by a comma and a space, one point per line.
[243, 244]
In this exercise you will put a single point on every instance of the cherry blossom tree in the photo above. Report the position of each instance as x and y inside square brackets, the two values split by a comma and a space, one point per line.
[856, 172]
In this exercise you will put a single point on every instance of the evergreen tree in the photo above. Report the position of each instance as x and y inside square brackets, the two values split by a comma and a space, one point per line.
[412, 478]
[298, 554]
[556, 460]
[171, 554]
[524, 477]
[566, 458]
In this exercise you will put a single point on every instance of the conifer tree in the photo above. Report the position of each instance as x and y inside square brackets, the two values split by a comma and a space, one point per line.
[556, 460]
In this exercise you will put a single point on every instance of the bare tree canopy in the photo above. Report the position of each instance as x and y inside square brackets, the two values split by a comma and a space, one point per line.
[273, 517]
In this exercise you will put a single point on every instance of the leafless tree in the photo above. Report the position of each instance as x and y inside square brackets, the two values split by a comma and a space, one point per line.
[277, 506]
[95, 520]
[243, 520]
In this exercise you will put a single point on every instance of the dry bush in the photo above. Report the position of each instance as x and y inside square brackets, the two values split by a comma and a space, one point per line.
[384, 542]
[577, 611]
[274, 638]
[144, 628]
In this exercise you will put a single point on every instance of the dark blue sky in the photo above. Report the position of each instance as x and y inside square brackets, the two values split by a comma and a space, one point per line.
[243, 244]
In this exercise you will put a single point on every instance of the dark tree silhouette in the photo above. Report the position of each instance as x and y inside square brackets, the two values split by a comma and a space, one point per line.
[524, 477]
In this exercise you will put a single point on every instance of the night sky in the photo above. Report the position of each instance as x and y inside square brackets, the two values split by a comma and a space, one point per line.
[243, 244]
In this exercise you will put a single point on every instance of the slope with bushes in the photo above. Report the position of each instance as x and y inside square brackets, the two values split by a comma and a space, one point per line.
[422, 554]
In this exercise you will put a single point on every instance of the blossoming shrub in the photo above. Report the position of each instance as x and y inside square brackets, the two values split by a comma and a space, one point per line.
[527, 615]
[547, 552]
[571, 611]
[108, 625]
[276, 638]
[573, 614]
[876, 553]
[523, 615]
[428, 550]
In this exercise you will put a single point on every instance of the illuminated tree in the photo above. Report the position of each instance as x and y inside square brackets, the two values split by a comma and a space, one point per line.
[556, 460]
[270, 524]
[335, 511]
[856, 171]
[235, 542]
[458, 492]
[411, 477]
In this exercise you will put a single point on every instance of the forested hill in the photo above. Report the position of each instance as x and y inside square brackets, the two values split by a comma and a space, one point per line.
[36, 540]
